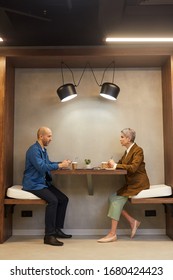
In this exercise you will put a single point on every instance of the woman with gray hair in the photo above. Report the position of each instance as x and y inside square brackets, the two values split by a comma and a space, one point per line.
[136, 181]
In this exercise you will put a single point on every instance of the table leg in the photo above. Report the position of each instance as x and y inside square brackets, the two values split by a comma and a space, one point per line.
[89, 184]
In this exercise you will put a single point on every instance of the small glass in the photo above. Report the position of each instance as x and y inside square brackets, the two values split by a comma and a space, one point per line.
[74, 165]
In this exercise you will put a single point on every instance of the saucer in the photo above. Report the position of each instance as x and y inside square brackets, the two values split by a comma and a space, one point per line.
[110, 168]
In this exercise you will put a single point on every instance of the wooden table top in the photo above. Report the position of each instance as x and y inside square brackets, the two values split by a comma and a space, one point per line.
[93, 171]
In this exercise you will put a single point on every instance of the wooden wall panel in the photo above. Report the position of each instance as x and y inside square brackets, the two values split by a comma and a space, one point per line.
[167, 90]
[6, 142]
[9, 125]
[2, 94]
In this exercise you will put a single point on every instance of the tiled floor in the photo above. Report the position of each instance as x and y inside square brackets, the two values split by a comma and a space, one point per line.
[87, 248]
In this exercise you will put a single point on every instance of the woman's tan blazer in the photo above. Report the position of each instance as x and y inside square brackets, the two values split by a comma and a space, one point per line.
[136, 178]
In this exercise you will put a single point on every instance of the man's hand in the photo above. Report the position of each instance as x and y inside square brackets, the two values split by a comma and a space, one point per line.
[65, 163]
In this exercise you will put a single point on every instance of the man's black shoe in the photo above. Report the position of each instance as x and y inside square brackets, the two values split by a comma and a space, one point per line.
[61, 234]
[51, 240]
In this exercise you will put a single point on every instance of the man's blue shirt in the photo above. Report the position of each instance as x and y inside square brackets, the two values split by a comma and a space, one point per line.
[36, 166]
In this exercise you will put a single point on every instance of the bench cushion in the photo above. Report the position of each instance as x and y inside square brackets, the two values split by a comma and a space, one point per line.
[154, 191]
[17, 192]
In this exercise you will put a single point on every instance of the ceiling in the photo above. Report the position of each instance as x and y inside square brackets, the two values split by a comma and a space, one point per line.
[81, 22]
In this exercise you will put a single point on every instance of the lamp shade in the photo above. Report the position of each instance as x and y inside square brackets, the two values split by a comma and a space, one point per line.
[66, 92]
[109, 91]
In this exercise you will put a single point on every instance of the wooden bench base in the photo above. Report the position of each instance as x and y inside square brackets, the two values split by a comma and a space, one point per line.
[152, 200]
[14, 201]
[7, 211]
[167, 202]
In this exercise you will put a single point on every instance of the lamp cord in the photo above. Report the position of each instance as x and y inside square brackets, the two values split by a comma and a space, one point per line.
[88, 64]
[82, 74]
[63, 63]
[94, 75]
[112, 63]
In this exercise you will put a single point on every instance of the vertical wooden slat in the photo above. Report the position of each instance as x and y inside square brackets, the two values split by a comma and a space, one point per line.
[2, 95]
[167, 90]
[6, 142]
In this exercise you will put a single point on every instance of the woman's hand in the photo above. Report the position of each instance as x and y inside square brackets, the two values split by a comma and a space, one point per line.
[111, 163]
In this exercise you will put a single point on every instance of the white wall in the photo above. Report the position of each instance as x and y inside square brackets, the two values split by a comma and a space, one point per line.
[89, 127]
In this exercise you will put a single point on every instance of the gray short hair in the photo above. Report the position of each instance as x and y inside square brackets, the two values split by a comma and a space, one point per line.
[130, 133]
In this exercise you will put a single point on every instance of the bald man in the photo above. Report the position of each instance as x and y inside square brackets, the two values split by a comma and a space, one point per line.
[37, 179]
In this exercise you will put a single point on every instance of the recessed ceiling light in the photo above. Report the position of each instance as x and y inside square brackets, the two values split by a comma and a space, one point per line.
[139, 40]
[155, 2]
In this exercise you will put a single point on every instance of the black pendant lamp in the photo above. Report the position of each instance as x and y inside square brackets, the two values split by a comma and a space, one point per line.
[109, 91]
[66, 92]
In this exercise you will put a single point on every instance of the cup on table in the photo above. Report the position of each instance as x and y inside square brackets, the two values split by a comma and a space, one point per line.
[104, 165]
[74, 165]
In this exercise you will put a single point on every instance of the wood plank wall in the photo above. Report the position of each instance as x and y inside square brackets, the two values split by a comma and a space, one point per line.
[167, 93]
[6, 142]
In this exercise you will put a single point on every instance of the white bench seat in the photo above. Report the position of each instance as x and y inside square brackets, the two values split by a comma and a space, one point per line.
[17, 192]
[154, 191]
